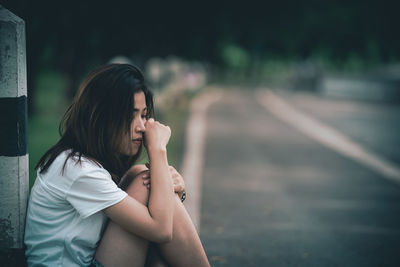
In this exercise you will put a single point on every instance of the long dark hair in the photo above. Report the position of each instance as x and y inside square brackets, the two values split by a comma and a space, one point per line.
[99, 116]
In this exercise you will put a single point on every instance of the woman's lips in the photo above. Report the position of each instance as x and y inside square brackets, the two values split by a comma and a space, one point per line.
[137, 141]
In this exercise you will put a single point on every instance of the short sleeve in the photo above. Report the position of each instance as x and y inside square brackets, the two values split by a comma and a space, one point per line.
[93, 191]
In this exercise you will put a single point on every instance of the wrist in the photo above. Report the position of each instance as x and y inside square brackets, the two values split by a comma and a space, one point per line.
[159, 155]
[156, 150]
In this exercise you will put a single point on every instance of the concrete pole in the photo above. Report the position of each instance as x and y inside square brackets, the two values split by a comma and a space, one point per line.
[14, 179]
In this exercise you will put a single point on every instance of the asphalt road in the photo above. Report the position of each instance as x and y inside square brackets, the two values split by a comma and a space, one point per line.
[272, 196]
[375, 125]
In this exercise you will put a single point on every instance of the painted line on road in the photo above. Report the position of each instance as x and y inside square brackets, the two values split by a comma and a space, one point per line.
[193, 159]
[327, 135]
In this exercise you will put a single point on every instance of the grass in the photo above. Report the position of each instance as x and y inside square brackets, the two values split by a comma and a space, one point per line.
[49, 105]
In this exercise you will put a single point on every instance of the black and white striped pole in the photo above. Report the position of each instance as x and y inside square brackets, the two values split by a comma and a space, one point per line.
[14, 178]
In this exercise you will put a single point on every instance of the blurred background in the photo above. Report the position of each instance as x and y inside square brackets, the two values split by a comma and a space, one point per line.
[287, 44]
[336, 60]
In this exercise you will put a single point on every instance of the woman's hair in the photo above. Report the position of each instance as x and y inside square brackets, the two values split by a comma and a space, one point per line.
[99, 117]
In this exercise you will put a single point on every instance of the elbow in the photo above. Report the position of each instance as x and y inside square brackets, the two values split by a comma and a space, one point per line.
[165, 237]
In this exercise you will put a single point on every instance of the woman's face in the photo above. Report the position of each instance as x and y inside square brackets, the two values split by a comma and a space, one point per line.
[133, 142]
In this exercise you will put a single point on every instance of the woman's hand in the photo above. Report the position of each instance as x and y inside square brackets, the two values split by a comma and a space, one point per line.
[156, 135]
[177, 179]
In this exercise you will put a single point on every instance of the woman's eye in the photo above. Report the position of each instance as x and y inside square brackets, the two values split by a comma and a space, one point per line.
[144, 116]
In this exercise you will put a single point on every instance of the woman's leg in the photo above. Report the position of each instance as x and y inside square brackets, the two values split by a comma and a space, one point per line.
[118, 247]
[185, 248]
[154, 257]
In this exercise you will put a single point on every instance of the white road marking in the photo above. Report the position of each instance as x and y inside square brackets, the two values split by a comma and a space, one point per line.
[192, 165]
[327, 135]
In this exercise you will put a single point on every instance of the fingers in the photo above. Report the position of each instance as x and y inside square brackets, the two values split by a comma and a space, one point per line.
[178, 188]
[174, 173]
[146, 183]
[156, 135]
[179, 184]
[177, 180]
[146, 179]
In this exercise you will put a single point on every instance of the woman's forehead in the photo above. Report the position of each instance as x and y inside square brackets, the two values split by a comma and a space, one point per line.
[140, 100]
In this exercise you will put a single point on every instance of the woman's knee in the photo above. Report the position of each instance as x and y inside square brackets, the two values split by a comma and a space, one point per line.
[130, 175]
[132, 184]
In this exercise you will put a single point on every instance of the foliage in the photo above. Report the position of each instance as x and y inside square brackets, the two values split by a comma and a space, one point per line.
[43, 126]
[235, 57]
[73, 36]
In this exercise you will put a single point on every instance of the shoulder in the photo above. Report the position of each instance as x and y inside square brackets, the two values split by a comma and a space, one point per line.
[76, 166]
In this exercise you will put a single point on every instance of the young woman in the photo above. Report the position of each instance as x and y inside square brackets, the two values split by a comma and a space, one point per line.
[88, 177]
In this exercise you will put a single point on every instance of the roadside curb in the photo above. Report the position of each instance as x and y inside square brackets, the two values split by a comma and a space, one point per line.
[193, 158]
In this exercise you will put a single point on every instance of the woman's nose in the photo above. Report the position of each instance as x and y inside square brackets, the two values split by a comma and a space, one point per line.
[140, 126]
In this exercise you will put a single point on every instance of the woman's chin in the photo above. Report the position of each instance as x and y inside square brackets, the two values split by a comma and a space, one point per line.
[130, 153]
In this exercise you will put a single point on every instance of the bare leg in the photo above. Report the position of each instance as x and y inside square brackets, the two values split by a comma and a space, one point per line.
[118, 247]
[154, 257]
[185, 248]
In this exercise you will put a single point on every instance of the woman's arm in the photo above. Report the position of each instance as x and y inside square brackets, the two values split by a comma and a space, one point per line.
[177, 179]
[155, 221]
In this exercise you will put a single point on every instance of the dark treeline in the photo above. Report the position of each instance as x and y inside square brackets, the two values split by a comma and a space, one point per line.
[72, 36]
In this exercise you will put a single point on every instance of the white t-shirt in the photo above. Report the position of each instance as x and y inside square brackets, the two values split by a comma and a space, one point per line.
[64, 219]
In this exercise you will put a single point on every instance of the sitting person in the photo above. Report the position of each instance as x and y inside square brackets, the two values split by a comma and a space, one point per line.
[90, 206]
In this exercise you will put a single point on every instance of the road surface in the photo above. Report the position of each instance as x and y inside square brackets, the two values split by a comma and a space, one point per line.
[273, 196]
